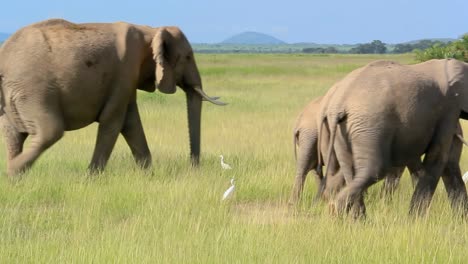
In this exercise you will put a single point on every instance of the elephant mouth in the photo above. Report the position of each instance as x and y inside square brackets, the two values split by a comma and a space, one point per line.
[205, 97]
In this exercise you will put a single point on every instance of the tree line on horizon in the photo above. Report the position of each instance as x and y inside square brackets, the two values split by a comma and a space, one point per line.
[423, 49]
[427, 48]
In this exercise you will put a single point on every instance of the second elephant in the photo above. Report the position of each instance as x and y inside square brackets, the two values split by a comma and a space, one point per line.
[305, 140]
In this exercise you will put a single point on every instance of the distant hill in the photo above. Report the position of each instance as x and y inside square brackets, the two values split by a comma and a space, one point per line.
[254, 38]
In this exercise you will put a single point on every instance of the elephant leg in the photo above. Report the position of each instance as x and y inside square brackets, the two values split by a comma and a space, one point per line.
[110, 126]
[424, 190]
[453, 181]
[358, 210]
[306, 160]
[335, 182]
[46, 129]
[352, 197]
[368, 168]
[14, 140]
[416, 170]
[456, 189]
[434, 163]
[392, 180]
[134, 134]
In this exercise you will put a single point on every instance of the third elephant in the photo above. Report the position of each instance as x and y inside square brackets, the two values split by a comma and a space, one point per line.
[387, 115]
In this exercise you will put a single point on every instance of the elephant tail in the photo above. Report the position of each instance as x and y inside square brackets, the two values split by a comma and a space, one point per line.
[333, 125]
[319, 153]
[295, 137]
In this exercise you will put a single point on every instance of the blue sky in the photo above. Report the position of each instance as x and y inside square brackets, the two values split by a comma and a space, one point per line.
[211, 21]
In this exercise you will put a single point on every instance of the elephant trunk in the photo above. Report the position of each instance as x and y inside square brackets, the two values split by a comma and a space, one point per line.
[194, 106]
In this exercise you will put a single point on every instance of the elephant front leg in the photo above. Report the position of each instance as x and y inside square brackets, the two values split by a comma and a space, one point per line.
[110, 125]
[135, 136]
[434, 163]
[456, 189]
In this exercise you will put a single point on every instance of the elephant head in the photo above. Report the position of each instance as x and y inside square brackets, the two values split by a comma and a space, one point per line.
[452, 77]
[173, 64]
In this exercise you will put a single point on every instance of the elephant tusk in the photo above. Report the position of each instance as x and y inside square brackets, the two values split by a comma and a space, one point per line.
[462, 139]
[213, 100]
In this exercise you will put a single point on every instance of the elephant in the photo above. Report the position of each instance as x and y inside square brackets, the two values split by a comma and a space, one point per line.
[305, 135]
[60, 76]
[387, 115]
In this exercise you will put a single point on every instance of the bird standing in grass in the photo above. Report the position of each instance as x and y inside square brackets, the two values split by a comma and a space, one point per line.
[224, 165]
[228, 193]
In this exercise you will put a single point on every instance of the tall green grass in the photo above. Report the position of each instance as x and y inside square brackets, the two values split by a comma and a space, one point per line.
[173, 213]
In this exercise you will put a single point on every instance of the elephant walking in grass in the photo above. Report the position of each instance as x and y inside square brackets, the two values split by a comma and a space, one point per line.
[58, 76]
[387, 115]
[305, 140]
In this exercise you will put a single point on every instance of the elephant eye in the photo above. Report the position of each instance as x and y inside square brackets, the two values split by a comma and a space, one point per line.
[188, 57]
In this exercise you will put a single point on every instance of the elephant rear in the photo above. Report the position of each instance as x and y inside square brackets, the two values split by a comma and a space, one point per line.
[58, 62]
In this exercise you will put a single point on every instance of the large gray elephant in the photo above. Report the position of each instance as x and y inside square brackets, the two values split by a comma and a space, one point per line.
[58, 76]
[387, 115]
[305, 134]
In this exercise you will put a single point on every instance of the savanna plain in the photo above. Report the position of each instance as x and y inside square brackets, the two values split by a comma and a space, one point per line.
[173, 213]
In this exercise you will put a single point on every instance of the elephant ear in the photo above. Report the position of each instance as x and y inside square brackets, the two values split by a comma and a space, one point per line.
[457, 78]
[464, 86]
[165, 81]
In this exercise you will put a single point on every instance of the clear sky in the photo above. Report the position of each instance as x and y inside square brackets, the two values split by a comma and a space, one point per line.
[211, 21]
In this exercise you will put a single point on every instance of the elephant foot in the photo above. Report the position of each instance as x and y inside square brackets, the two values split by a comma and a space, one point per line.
[342, 207]
[15, 170]
[15, 176]
[358, 210]
[144, 162]
[94, 170]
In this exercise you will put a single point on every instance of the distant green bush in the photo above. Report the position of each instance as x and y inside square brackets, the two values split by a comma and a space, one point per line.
[457, 50]
[375, 47]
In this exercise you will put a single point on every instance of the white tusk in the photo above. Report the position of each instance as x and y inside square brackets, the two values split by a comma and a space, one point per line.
[214, 98]
[207, 98]
[462, 139]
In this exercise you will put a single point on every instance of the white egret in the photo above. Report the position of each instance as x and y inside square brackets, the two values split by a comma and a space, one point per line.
[465, 177]
[224, 165]
[228, 193]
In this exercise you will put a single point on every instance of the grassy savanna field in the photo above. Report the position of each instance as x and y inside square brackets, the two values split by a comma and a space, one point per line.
[173, 214]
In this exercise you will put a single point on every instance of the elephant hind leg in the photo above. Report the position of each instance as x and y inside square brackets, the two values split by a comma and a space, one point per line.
[306, 160]
[369, 167]
[352, 197]
[47, 128]
[14, 140]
